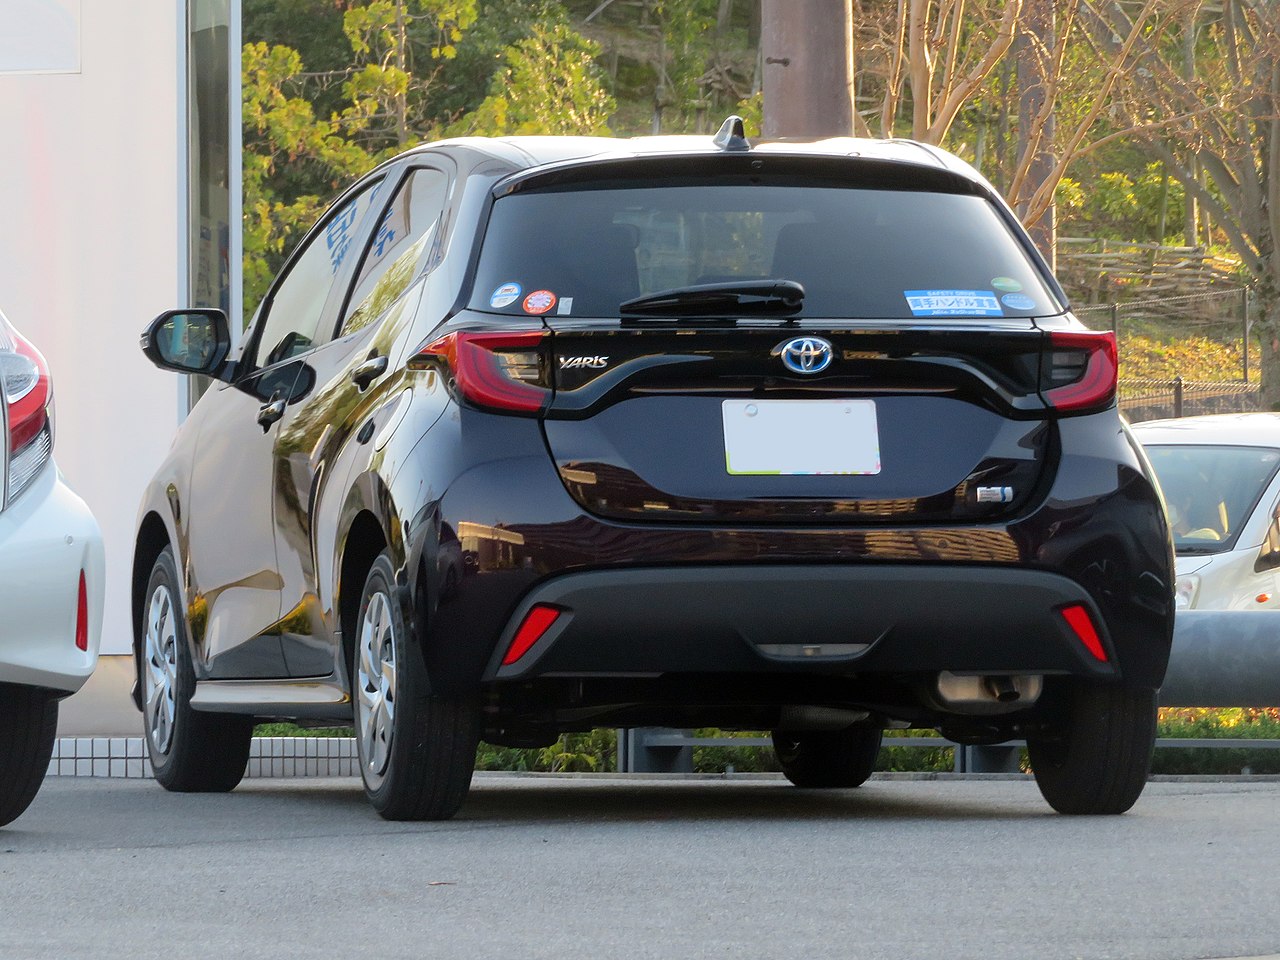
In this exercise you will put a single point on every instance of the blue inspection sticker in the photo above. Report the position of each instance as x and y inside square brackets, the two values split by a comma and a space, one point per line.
[1018, 301]
[953, 303]
[505, 295]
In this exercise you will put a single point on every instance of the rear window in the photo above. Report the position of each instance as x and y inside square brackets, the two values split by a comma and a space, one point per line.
[860, 253]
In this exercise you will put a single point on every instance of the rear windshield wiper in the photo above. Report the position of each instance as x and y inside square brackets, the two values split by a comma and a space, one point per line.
[736, 298]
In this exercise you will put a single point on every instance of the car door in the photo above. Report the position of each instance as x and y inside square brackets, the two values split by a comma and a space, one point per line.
[235, 603]
[333, 425]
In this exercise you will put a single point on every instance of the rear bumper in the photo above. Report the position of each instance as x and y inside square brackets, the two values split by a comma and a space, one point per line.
[834, 619]
[47, 537]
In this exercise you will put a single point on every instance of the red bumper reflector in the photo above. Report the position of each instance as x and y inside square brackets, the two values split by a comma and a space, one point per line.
[1081, 625]
[82, 617]
[536, 623]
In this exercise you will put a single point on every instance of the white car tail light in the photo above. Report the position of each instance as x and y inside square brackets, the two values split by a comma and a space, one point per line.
[28, 411]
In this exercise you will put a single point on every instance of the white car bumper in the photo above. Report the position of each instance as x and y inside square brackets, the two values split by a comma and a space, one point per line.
[47, 537]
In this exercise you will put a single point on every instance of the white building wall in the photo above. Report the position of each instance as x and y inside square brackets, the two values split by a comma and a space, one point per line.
[92, 234]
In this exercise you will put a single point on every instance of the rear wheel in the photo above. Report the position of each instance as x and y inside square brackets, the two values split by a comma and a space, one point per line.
[829, 758]
[191, 751]
[417, 751]
[28, 725]
[1098, 760]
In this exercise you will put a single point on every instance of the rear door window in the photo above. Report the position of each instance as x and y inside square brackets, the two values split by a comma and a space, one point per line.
[401, 248]
[860, 253]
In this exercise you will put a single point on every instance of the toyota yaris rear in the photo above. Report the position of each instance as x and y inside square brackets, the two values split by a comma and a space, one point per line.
[780, 438]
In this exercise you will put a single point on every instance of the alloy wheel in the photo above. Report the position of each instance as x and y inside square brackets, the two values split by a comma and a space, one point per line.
[160, 673]
[376, 687]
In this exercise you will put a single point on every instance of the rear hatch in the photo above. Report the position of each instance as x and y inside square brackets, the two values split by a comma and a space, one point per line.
[903, 425]
[829, 341]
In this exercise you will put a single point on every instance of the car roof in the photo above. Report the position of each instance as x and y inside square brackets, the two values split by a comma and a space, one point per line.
[529, 152]
[1224, 429]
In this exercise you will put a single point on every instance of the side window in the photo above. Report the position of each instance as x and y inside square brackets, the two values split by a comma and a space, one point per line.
[292, 317]
[400, 247]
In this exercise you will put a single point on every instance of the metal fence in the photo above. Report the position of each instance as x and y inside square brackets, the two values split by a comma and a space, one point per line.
[1223, 317]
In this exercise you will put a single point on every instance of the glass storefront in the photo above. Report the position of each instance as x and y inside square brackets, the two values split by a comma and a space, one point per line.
[209, 150]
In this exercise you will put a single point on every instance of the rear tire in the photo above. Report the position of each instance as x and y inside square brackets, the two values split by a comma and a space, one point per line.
[1099, 762]
[416, 751]
[830, 758]
[191, 751]
[28, 725]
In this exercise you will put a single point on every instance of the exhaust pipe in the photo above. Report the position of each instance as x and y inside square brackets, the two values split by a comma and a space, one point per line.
[993, 693]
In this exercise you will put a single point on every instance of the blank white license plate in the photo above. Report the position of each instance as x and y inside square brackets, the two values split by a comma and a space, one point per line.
[801, 437]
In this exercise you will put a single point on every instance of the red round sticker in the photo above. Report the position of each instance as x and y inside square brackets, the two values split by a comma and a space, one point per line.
[540, 301]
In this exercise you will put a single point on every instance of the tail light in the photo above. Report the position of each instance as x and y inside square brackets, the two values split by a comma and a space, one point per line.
[503, 371]
[1078, 372]
[28, 398]
[532, 629]
[82, 616]
[1081, 625]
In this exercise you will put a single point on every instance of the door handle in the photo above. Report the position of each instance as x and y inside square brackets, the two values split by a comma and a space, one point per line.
[368, 371]
[269, 413]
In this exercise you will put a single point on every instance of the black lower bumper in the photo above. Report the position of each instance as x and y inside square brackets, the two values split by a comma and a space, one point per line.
[844, 619]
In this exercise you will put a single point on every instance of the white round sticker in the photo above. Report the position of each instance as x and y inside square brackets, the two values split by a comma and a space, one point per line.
[505, 295]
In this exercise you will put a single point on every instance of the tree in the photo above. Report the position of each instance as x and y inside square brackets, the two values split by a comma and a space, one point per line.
[551, 85]
[1219, 114]
[307, 133]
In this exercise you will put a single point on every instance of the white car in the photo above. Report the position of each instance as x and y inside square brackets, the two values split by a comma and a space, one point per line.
[1221, 483]
[51, 577]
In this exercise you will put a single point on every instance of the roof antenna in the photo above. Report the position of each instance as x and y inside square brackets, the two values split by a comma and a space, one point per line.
[732, 136]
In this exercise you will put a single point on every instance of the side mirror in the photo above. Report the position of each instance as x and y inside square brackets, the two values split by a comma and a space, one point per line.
[1269, 557]
[196, 340]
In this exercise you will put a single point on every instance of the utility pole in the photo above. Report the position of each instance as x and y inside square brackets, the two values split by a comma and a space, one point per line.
[808, 68]
[1034, 43]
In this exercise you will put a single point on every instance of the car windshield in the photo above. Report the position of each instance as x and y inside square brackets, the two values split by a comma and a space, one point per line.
[859, 253]
[1211, 491]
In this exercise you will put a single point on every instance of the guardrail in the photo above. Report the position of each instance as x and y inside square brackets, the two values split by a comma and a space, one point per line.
[659, 750]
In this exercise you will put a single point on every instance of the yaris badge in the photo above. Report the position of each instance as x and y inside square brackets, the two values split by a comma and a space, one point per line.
[805, 354]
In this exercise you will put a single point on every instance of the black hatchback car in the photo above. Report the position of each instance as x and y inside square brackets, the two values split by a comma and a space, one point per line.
[536, 435]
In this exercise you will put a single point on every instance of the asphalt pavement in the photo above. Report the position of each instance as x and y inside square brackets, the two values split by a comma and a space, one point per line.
[609, 868]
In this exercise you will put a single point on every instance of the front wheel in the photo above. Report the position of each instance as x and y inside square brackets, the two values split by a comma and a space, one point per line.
[416, 751]
[28, 725]
[828, 758]
[1098, 758]
[191, 751]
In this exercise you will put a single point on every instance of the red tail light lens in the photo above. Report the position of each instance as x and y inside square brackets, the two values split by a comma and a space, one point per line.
[26, 389]
[1079, 371]
[82, 616]
[535, 624]
[1081, 625]
[501, 371]
[28, 404]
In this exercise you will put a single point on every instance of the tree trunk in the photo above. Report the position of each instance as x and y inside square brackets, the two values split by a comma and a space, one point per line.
[1266, 309]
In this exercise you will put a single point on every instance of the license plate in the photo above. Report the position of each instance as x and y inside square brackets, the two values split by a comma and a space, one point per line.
[800, 437]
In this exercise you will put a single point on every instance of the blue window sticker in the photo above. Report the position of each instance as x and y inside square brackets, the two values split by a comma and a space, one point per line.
[505, 295]
[953, 303]
[1018, 301]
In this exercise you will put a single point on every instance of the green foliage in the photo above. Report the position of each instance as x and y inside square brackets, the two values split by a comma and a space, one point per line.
[1120, 205]
[595, 751]
[551, 85]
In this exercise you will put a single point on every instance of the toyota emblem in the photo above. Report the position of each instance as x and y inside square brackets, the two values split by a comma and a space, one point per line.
[806, 354]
